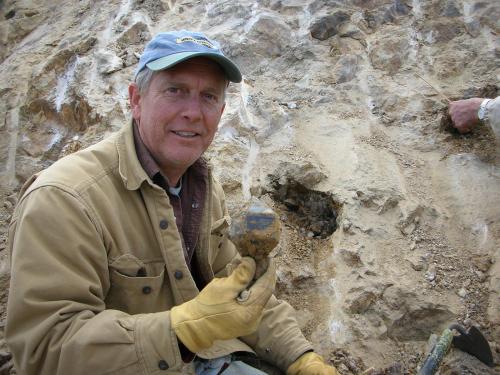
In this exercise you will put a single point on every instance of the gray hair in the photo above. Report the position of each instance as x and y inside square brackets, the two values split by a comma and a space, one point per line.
[145, 76]
[143, 79]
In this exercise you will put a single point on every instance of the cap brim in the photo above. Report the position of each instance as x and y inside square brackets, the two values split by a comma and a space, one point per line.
[230, 69]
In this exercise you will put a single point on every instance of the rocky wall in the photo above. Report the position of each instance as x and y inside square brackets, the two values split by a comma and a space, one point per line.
[391, 220]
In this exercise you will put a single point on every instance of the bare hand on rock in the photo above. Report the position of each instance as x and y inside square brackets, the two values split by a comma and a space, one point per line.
[463, 114]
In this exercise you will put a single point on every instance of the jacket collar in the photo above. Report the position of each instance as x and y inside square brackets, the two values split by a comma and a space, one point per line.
[129, 167]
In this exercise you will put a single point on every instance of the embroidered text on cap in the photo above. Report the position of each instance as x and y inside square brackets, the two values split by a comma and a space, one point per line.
[203, 42]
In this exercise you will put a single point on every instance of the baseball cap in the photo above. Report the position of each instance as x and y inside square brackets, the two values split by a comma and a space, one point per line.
[170, 48]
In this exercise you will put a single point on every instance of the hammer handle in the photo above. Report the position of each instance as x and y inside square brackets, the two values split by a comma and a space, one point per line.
[437, 353]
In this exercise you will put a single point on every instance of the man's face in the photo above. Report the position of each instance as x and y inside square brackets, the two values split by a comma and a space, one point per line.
[179, 113]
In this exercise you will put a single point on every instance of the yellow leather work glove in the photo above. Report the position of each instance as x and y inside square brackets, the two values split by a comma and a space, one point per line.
[311, 364]
[219, 312]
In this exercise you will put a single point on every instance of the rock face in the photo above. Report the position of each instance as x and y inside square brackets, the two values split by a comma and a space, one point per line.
[390, 220]
[328, 26]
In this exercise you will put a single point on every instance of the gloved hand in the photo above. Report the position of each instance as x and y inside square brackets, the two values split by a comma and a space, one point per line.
[311, 364]
[219, 312]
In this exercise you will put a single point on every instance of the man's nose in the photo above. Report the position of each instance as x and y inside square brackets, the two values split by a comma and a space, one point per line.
[193, 108]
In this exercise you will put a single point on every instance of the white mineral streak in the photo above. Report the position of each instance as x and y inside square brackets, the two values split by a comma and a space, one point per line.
[57, 137]
[480, 229]
[122, 12]
[417, 8]
[338, 332]
[468, 8]
[64, 83]
[251, 144]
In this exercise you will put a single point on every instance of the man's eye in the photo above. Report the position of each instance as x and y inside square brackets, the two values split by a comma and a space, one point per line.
[173, 90]
[211, 97]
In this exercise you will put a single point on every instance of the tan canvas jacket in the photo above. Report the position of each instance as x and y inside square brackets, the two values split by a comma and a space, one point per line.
[80, 233]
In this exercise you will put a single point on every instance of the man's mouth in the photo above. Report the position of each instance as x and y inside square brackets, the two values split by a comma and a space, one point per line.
[185, 134]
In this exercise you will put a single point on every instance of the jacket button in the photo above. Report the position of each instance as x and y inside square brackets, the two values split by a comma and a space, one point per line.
[147, 290]
[178, 274]
[163, 365]
[163, 224]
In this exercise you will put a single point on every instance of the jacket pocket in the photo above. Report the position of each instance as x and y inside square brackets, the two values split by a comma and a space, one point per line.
[137, 287]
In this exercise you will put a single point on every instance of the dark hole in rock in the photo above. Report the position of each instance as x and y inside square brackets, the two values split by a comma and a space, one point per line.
[10, 14]
[445, 123]
[5, 357]
[308, 210]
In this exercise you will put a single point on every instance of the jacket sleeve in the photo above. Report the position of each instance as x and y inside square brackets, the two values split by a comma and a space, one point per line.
[278, 339]
[493, 116]
[57, 322]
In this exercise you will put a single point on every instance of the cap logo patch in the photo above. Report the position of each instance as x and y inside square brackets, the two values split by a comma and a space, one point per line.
[202, 42]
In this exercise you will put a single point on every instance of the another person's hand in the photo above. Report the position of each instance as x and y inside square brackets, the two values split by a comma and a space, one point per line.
[463, 114]
[311, 364]
[219, 312]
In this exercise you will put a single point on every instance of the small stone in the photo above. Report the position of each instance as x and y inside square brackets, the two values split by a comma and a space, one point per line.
[407, 230]
[350, 257]
[343, 368]
[328, 26]
[462, 292]
[255, 231]
[291, 105]
[108, 62]
[482, 263]
[413, 245]
[361, 302]
[130, 60]
[346, 225]
[417, 265]
[481, 276]
[255, 190]
[430, 275]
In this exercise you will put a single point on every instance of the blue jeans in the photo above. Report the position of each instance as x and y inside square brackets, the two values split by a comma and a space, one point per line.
[224, 365]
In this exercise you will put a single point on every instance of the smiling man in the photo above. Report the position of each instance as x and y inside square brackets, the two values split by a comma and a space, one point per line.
[120, 259]
[178, 113]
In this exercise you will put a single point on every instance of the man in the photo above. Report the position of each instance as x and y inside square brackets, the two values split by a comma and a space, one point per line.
[467, 114]
[111, 245]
